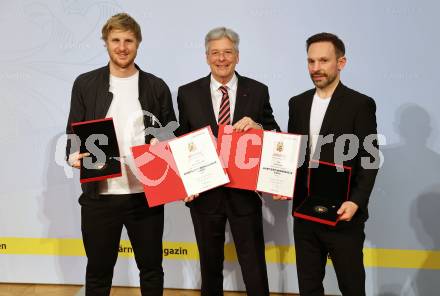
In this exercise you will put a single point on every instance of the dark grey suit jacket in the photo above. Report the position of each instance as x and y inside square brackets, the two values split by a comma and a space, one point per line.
[196, 111]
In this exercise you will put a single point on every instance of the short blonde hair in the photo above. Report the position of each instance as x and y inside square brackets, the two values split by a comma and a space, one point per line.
[124, 22]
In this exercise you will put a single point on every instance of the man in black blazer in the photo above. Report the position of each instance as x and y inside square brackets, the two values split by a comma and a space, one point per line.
[335, 119]
[226, 97]
[123, 91]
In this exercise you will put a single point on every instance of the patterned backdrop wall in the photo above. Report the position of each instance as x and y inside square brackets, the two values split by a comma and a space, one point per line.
[391, 49]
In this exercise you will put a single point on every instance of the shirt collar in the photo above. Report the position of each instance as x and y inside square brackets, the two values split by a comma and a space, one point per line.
[231, 85]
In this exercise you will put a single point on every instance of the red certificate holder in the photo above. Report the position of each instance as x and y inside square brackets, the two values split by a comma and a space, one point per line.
[328, 188]
[103, 166]
[158, 173]
[240, 153]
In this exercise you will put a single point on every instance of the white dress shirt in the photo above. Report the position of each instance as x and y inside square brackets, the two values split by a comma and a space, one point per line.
[216, 95]
[317, 113]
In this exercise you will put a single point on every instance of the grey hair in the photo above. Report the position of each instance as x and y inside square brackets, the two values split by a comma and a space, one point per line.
[219, 33]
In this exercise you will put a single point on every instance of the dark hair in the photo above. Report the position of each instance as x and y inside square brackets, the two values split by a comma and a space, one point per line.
[329, 37]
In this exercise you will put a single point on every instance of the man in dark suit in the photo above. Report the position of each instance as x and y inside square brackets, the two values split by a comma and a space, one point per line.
[329, 112]
[123, 91]
[224, 97]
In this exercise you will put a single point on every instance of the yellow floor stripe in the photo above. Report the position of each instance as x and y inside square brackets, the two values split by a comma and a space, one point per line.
[374, 257]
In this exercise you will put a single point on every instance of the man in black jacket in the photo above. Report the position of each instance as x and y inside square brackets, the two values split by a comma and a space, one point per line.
[224, 97]
[329, 112]
[123, 91]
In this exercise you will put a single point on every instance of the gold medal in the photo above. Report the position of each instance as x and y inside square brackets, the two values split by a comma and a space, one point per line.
[320, 209]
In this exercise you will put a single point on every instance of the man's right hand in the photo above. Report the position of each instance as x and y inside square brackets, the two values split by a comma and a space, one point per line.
[190, 198]
[75, 159]
[154, 141]
[280, 197]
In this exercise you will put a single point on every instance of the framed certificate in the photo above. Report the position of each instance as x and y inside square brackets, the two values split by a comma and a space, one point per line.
[98, 137]
[260, 160]
[328, 188]
[175, 169]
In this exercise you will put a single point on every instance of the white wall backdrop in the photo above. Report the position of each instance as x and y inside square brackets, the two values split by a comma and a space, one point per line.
[392, 50]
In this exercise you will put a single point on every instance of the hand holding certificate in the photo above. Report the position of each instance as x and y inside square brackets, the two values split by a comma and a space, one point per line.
[179, 168]
[260, 160]
[99, 150]
[328, 189]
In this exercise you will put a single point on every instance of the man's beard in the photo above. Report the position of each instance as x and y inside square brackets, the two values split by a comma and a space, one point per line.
[324, 82]
[124, 64]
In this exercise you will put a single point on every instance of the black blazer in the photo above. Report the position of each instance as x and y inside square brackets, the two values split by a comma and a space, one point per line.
[349, 112]
[196, 111]
[91, 99]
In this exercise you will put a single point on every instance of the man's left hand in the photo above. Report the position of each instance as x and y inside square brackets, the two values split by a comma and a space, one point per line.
[280, 197]
[190, 198]
[154, 141]
[245, 124]
[347, 211]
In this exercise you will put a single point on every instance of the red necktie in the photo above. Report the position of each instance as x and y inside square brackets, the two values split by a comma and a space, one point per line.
[224, 115]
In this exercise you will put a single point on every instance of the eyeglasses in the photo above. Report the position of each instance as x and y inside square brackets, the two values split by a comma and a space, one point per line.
[226, 54]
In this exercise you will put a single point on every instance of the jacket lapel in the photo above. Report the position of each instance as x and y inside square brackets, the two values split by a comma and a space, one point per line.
[332, 109]
[241, 100]
[103, 95]
[145, 92]
[205, 101]
[306, 114]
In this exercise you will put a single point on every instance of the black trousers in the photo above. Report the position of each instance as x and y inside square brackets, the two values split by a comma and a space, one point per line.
[344, 244]
[247, 232]
[101, 224]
